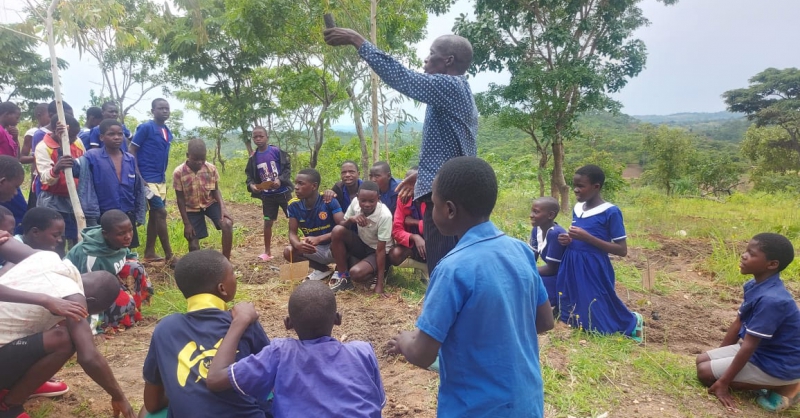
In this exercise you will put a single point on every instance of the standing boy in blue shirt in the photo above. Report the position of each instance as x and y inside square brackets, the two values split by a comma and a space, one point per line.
[483, 308]
[313, 376]
[269, 178]
[183, 345]
[545, 245]
[310, 214]
[761, 349]
[151, 146]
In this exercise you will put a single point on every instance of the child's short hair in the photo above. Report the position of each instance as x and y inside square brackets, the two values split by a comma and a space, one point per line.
[52, 109]
[313, 174]
[153, 103]
[549, 203]
[200, 272]
[592, 172]
[350, 162]
[9, 107]
[40, 218]
[72, 123]
[4, 212]
[468, 182]
[107, 104]
[110, 219]
[94, 112]
[370, 185]
[39, 109]
[107, 123]
[776, 247]
[312, 306]
[196, 146]
[10, 167]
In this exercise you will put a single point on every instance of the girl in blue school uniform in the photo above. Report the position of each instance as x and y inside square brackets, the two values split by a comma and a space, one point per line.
[585, 282]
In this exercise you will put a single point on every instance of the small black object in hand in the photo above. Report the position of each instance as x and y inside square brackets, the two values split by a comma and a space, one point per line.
[329, 23]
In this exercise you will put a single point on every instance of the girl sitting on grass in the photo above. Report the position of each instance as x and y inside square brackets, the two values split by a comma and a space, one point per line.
[585, 282]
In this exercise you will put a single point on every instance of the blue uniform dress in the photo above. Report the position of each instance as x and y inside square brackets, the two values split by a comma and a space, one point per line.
[546, 247]
[586, 278]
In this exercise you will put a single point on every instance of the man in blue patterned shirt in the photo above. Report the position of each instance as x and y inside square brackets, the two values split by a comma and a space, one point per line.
[451, 118]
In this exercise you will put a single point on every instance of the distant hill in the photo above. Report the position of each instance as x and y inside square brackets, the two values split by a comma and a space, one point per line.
[687, 118]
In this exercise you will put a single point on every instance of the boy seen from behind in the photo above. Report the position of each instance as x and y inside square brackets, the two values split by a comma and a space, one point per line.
[544, 242]
[176, 369]
[316, 219]
[368, 247]
[106, 248]
[313, 376]
[761, 349]
[196, 184]
[483, 307]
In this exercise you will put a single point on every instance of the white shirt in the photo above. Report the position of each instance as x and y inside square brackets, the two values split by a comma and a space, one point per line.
[43, 272]
[379, 226]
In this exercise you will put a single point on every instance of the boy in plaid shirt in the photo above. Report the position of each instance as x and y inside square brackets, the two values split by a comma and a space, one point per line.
[196, 184]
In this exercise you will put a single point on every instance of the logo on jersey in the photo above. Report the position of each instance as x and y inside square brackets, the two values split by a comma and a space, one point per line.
[323, 215]
[195, 360]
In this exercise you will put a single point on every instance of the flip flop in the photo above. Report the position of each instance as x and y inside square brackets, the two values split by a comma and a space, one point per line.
[775, 402]
[638, 332]
[265, 257]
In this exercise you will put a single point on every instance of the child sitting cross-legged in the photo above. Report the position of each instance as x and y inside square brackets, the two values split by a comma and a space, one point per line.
[761, 349]
[315, 376]
[368, 247]
[106, 247]
[176, 369]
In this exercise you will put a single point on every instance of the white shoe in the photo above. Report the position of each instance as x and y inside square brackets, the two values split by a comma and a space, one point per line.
[319, 275]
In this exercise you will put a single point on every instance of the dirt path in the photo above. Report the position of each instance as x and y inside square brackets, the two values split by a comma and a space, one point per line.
[688, 323]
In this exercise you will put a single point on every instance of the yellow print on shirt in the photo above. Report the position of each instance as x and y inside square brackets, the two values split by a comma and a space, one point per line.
[189, 357]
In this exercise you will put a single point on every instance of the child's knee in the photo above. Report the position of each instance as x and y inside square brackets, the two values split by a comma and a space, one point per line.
[58, 340]
[226, 225]
[704, 373]
[361, 272]
[338, 232]
[702, 358]
[287, 254]
[268, 223]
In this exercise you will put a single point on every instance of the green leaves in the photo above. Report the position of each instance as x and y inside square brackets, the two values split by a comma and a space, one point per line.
[24, 76]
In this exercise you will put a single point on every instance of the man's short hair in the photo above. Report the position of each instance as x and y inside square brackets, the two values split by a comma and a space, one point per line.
[592, 172]
[383, 166]
[350, 162]
[312, 174]
[40, 218]
[108, 104]
[549, 203]
[10, 168]
[200, 272]
[160, 99]
[468, 182]
[312, 307]
[110, 219]
[776, 247]
[107, 123]
[52, 109]
[370, 186]
[94, 112]
[460, 48]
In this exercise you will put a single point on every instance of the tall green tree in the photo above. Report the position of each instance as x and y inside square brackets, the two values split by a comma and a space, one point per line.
[25, 76]
[668, 153]
[564, 57]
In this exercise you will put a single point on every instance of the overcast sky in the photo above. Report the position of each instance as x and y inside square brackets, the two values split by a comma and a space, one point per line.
[697, 49]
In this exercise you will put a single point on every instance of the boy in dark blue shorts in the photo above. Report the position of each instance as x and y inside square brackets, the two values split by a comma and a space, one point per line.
[483, 308]
[196, 184]
[269, 178]
[310, 214]
[545, 245]
[183, 345]
[313, 376]
[761, 349]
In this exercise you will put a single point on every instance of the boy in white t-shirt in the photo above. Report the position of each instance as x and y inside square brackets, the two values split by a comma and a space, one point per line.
[368, 247]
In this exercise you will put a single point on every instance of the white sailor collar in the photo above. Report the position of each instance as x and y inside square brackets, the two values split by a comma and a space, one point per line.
[581, 213]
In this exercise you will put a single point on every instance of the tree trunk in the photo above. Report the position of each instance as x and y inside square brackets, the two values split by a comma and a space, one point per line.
[248, 141]
[558, 185]
[542, 169]
[357, 118]
[319, 136]
[218, 153]
[373, 34]
[77, 210]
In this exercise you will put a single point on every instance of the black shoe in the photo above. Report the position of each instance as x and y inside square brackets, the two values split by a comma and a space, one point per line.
[338, 283]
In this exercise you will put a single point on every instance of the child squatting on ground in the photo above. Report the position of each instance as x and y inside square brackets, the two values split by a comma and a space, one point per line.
[183, 345]
[761, 350]
[196, 184]
[313, 376]
[483, 308]
[585, 282]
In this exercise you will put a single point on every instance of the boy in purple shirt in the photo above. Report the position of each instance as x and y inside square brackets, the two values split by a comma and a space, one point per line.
[343, 378]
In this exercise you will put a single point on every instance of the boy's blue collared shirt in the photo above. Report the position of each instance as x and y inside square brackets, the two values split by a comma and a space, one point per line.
[770, 313]
[154, 141]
